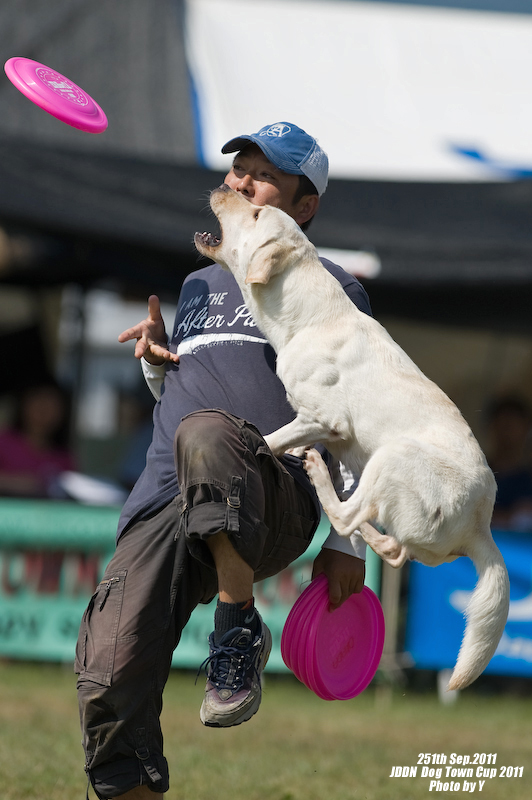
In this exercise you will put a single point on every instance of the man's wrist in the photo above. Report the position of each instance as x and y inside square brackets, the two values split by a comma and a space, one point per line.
[154, 361]
[149, 365]
[353, 545]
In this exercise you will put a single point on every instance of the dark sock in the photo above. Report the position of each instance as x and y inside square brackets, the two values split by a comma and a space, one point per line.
[235, 615]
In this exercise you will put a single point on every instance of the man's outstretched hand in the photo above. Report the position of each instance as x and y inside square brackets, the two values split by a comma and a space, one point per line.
[150, 333]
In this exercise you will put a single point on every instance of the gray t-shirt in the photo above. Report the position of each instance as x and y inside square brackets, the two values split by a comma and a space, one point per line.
[225, 362]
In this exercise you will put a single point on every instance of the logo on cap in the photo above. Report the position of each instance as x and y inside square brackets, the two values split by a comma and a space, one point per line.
[277, 130]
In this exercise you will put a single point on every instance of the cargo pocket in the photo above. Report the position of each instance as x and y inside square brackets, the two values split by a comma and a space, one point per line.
[95, 651]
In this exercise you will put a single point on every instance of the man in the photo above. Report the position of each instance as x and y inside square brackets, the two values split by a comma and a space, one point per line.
[214, 511]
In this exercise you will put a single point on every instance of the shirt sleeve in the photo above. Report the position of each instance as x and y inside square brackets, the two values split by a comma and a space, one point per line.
[345, 484]
[154, 376]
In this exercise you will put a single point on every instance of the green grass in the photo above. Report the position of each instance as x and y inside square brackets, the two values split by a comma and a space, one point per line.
[297, 748]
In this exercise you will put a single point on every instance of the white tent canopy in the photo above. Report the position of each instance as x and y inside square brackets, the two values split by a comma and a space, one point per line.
[392, 91]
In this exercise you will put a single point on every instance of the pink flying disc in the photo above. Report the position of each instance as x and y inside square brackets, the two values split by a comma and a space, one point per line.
[335, 654]
[295, 647]
[299, 646]
[306, 661]
[56, 94]
[293, 628]
[348, 644]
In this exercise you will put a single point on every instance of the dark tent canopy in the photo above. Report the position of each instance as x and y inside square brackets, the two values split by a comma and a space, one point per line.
[124, 206]
[450, 253]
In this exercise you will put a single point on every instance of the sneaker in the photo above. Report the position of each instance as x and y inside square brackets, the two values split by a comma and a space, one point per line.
[234, 666]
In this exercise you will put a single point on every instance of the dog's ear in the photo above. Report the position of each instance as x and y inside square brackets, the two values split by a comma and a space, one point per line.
[267, 261]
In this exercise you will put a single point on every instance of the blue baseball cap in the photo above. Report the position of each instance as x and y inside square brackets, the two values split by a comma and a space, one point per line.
[290, 149]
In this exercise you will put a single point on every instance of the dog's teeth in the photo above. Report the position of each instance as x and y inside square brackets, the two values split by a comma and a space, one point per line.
[209, 239]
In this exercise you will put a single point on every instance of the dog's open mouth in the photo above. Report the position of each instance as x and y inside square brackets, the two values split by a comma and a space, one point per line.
[208, 239]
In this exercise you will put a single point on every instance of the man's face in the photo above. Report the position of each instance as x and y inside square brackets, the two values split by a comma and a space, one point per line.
[256, 178]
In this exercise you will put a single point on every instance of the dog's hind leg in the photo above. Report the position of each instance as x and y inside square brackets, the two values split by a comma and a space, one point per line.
[347, 517]
[386, 547]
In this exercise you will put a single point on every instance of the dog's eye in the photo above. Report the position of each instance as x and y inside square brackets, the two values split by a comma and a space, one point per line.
[256, 215]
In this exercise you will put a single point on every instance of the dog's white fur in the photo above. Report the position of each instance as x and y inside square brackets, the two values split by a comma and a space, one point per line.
[423, 478]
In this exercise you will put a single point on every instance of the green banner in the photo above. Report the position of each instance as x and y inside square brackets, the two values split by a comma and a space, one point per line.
[53, 554]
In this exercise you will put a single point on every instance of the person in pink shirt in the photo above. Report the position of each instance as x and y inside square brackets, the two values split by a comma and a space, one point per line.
[34, 450]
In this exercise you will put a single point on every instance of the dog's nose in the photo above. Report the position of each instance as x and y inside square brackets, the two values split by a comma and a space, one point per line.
[223, 188]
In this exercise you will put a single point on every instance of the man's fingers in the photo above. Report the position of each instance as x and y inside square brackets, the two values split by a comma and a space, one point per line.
[146, 345]
[142, 328]
[154, 308]
[163, 352]
[131, 333]
[342, 589]
[336, 597]
[140, 348]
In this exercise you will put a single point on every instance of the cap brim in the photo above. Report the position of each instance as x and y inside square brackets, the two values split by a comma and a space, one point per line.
[236, 144]
[286, 164]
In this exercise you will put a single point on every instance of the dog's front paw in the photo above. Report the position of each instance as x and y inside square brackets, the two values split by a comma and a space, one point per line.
[299, 452]
[314, 464]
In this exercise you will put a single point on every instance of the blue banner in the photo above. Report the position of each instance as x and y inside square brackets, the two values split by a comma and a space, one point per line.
[437, 600]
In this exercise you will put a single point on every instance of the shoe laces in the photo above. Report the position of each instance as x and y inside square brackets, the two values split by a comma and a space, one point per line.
[227, 666]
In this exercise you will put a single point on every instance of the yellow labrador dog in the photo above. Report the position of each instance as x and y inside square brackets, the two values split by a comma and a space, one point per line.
[424, 479]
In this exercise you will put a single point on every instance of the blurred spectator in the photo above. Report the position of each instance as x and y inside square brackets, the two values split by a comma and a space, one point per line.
[509, 427]
[34, 450]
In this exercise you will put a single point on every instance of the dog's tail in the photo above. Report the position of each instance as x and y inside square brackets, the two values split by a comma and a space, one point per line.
[486, 613]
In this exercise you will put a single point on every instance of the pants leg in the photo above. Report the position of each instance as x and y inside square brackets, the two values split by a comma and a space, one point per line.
[230, 481]
[128, 634]
[161, 570]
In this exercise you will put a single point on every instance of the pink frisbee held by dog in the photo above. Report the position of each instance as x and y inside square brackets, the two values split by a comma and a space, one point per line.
[56, 94]
[334, 653]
